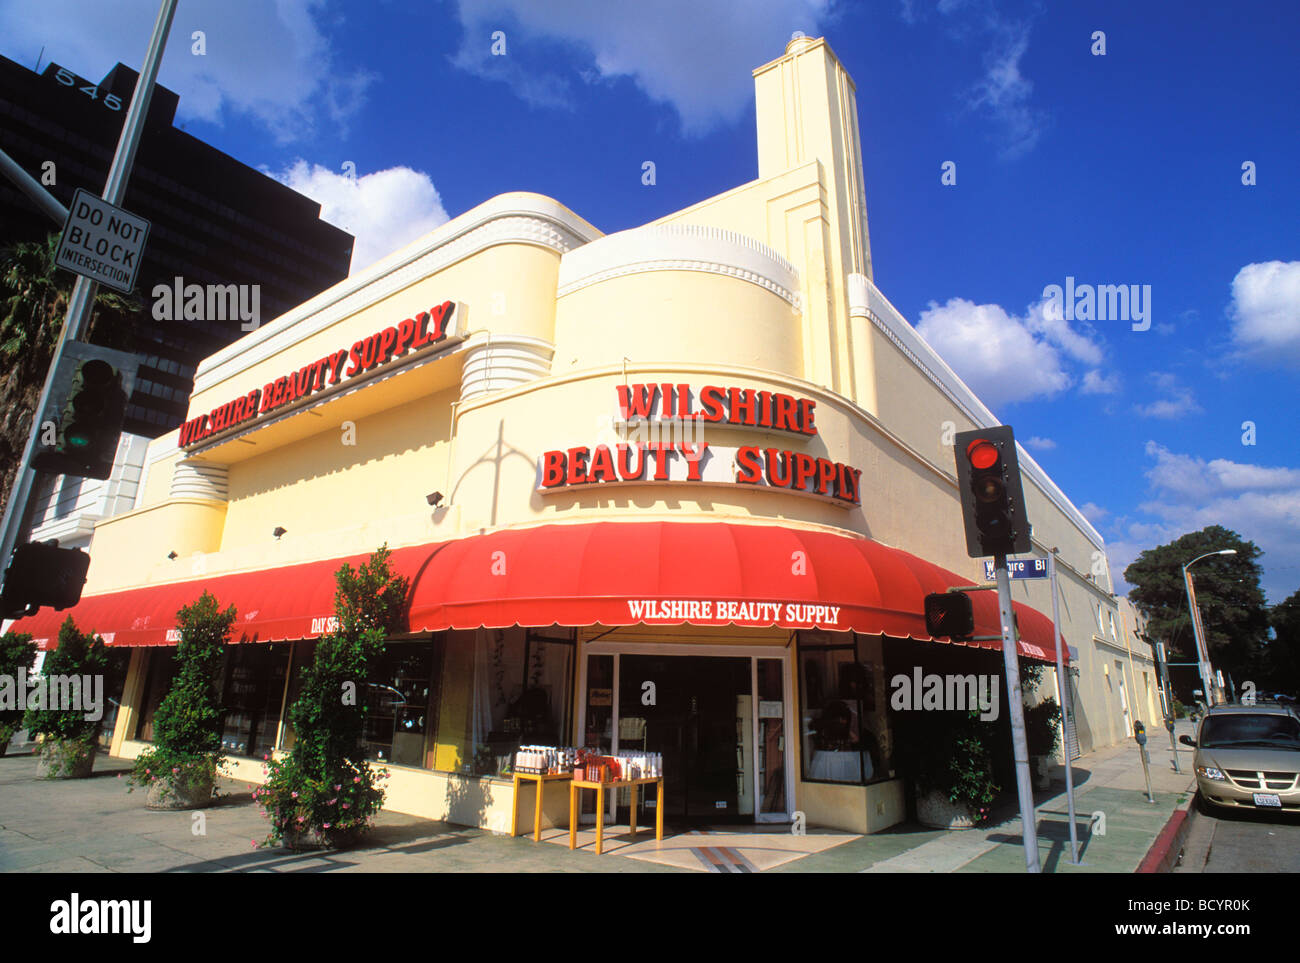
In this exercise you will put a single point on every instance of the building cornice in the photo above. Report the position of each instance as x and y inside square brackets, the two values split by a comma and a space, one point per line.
[517, 218]
[679, 247]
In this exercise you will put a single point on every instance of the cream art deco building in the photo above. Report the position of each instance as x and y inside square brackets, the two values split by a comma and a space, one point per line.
[704, 458]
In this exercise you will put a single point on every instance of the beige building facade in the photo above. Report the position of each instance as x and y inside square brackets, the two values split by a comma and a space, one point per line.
[704, 463]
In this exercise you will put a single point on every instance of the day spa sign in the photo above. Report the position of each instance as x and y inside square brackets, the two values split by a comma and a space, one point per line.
[379, 349]
[687, 411]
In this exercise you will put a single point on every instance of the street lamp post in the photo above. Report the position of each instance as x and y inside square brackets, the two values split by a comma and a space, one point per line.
[1202, 652]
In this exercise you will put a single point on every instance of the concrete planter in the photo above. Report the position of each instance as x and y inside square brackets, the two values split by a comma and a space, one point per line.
[935, 810]
[66, 759]
[185, 790]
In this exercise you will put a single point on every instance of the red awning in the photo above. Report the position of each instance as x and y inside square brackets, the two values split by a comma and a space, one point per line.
[607, 573]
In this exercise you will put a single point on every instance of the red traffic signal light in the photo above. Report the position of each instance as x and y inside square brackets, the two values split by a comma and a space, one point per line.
[42, 574]
[949, 615]
[993, 503]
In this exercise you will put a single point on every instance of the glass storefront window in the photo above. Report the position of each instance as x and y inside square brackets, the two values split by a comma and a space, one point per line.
[252, 694]
[119, 661]
[158, 682]
[402, 703]
[842, 719]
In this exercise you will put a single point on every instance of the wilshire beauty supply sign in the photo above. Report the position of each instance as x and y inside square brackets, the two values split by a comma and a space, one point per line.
[676, 406]
[381, 348]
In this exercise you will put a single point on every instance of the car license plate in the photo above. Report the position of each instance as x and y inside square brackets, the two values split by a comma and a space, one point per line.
[1268, 799]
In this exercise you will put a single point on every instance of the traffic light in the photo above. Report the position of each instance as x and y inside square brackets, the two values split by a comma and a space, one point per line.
[949, 615]
[42, 574]
[992, 502]
[90, 424]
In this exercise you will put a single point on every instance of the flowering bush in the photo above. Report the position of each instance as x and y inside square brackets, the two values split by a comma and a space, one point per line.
[324, 786]
[186, 753]
[948, 752]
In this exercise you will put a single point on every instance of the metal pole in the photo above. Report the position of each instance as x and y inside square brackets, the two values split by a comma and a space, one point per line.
[83, 292]
[1010, 653]
[1062, 681]
[47, 202]
[1168, 699]
[1202, 655]
[1146, 771]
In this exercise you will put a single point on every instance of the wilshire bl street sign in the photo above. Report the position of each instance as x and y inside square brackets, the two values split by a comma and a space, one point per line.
[1020, 568]
[102, 242]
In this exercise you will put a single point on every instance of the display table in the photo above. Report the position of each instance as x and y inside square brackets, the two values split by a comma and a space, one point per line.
[579, 784]
[541, 779]
[839, 766]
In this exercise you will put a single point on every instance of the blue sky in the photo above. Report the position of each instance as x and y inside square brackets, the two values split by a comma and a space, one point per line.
[1122, 168]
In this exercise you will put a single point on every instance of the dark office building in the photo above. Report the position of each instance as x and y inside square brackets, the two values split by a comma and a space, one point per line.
[214, 220]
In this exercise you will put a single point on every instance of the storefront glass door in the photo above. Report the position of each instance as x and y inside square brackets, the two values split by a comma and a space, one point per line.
[716, 717]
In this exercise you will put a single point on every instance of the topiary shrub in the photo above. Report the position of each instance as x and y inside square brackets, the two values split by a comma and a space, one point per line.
[324, 786]
[180, 769]
[68, 747]
[17, 653]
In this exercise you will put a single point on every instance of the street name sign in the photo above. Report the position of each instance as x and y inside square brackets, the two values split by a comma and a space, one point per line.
[1019, 568]
[102, 242]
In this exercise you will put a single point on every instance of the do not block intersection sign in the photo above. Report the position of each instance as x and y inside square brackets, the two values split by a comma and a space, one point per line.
[102, 242]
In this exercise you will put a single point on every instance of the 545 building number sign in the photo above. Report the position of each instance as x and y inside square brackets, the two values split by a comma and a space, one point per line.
[67, 78]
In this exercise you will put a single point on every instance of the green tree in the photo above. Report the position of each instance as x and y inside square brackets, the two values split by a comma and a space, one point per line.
[324, 785]
[17, 651]
[187, 725]
[1282, 660]
[1233, 609]
[79, 655]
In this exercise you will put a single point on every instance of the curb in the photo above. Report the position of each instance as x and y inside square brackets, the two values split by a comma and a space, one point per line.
[1168, 847]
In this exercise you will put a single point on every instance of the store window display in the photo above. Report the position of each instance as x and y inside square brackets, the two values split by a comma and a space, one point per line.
[844, 733]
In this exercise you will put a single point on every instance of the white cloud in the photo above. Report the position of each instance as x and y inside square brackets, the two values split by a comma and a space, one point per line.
[1265, 311]
[670, 49]
[1178, 400]
[1003, 93]
[384, 210]
[1040, 444]
[268, 60]
[1188, 493]
[1093, 513]
[1002, 357]
[1096, 383]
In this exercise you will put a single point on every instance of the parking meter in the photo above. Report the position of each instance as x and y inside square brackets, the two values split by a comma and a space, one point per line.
[1140, 732]
[1169, 723]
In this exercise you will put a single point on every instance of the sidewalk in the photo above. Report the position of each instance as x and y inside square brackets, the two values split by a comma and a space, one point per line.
[94, 825]
[1108, 781]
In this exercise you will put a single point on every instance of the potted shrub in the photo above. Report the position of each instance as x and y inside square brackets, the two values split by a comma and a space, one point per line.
[17, 653]
[180, 771]
[324, 788]
[1042, 732]
[68, 736]
[949, 755]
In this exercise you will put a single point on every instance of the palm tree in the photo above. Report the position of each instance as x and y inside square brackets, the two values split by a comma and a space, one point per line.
[34, 295]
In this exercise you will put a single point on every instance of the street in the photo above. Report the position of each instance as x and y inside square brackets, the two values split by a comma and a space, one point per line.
[1242, 842]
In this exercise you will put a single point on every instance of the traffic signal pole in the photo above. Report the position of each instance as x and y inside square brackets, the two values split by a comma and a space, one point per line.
[83, 292]
[1010, 657]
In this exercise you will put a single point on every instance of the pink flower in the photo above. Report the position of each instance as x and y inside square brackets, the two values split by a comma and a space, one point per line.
[332, 801]
[347, 806]
[294, 795]
[265, 757]
[338, 787]
[327, 825]
[302, 819]
[255, 844]
[175, 770]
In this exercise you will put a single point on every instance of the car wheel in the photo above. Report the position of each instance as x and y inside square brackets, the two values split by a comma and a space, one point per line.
[1205, 807]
